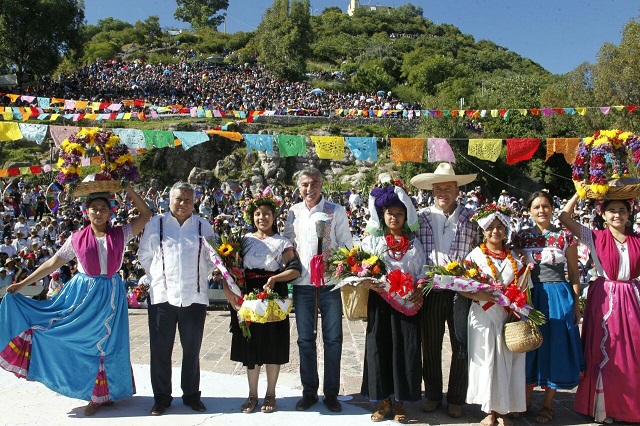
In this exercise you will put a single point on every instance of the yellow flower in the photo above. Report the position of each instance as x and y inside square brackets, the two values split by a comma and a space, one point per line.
[353, 251]
[75, 147]
[124, 159]
[112, 141]
[451, 266]
[588, 140]
[471, 273]
[88, 132]
[344, 251]
[60, 162]
[371, 261]
[225, 249]
[624, 136]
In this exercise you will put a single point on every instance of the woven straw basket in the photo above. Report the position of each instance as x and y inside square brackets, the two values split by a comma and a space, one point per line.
[82, 189]
[522, 336]
[625, 192]
[354, 301]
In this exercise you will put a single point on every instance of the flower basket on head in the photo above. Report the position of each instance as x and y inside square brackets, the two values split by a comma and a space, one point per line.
[116, 163]
[601, 169]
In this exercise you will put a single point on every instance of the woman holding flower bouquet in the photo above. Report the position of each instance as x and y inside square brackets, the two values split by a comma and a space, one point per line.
[610, 388]
[270, 262]
[558, 362]
[496, 375]
[392, 363]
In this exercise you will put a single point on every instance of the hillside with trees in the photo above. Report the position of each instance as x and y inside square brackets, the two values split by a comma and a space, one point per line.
[400, 51]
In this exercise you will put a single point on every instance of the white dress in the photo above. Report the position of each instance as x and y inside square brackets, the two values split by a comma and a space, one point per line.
[496, 375]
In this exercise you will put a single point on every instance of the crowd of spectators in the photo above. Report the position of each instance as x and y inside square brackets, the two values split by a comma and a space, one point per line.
[29, 239]
[191, 82]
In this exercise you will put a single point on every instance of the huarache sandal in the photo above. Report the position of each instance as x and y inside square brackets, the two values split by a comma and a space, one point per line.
[398, 411]
[384, 411]
[545, 415]
[269, 404]
[249, 405]
[490, 420]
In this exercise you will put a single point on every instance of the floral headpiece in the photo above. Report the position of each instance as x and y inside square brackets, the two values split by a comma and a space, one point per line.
[603, 156]
[263, 200]
[116, 161]
[388, 192]
[485, 215]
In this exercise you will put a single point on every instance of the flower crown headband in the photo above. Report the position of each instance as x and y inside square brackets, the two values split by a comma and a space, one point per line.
[263, 200]
[485, 215]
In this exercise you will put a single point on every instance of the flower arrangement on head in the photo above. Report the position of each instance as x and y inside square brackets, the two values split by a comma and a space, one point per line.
[602, 157]
[262, 200]
[117, 163]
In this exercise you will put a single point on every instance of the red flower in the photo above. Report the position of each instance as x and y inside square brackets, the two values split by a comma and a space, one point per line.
[351, 261]
[262, 295]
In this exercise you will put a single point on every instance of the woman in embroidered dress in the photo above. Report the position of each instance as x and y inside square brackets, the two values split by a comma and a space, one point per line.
[610, 388]
[558, 362]
[496, 375]
[392, 362]
[77, 343]
[270, 262]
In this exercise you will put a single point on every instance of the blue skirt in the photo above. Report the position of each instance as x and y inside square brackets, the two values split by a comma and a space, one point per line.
[558, 362]
[79, 340]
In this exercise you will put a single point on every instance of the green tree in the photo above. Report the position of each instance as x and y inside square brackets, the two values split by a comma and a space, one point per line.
[201, 13]
[35, 34]
[284, 37]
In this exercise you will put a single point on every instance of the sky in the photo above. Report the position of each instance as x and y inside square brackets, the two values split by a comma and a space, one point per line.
[557, 34]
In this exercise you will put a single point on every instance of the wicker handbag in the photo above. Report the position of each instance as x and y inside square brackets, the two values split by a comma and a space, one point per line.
[355, 299]
[522, 336]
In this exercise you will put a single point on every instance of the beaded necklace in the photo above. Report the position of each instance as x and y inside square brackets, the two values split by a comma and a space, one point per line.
[397, 249]
[494, 270]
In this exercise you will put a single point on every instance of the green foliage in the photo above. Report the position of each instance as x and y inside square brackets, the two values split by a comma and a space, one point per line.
[283, 38]
[201, 13]
[34, 35]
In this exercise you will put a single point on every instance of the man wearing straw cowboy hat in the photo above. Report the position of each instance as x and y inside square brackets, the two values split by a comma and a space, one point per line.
[446, 232]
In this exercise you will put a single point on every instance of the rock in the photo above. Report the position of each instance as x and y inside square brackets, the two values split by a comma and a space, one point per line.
[199, 176]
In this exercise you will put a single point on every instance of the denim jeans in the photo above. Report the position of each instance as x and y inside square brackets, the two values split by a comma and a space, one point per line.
[330, 305]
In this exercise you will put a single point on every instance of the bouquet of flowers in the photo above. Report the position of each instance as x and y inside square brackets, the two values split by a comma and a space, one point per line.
[262, 307]
[467, 276]
[603, 157]
[230, 251]
[356, 265]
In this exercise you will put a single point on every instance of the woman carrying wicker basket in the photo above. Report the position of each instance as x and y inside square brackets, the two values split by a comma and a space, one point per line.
[392, 362]
[270, 262]
[610, 388]
[496, 375]
[558, 362]
[77, 343]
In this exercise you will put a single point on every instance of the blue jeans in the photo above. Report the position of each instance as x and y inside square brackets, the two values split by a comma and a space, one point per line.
[330, 305]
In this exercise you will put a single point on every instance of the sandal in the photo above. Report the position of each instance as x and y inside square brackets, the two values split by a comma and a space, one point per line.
[384, 410]
[398, 411]
[490, 420]
[503, 421]
[249, 405]
[545, 415]
[269, 404]
[90, 409]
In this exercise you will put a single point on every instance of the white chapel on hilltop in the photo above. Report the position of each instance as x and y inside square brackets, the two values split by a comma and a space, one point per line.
[355, 4]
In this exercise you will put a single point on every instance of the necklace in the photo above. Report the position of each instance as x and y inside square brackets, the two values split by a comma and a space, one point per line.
[506, 254]
[397, 248]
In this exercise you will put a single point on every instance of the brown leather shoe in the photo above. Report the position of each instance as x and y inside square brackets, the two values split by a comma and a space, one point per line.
[431, 406]
[454, 410]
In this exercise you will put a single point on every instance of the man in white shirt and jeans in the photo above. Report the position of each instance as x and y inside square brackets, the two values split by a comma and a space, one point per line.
[301, 228]
[171, 253]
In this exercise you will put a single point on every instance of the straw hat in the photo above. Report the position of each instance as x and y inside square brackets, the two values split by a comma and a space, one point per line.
[443, 173]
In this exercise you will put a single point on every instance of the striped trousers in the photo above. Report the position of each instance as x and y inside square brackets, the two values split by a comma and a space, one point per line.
[435, 313]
